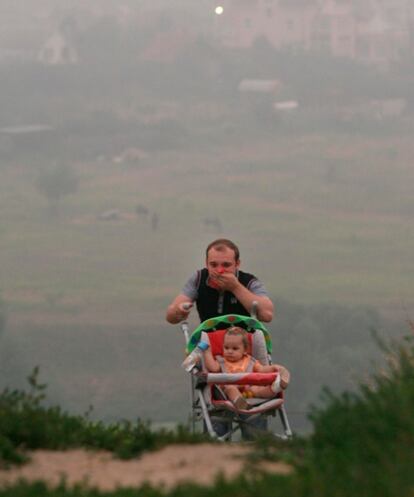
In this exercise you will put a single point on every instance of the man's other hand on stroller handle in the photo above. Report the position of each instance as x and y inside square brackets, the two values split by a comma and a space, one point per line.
[186, 306]
[179, 309]
[183, 310]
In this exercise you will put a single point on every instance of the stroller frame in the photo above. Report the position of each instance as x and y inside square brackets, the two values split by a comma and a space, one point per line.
[202, 409]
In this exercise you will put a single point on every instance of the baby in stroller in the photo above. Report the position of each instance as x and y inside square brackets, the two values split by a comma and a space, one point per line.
[235, 359]
[216, 387]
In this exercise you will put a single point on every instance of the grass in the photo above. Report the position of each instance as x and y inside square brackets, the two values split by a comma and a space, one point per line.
[362, 445]
[299, 225]
[27, 423]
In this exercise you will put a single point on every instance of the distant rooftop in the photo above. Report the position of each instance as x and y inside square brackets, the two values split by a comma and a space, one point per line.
[25, 129]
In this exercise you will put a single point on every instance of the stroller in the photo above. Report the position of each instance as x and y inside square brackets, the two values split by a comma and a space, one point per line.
[209, 402]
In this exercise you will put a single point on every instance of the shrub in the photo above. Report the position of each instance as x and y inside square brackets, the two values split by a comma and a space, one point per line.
[362, 446]
[25, 423]
[365, 440]
[56, 183]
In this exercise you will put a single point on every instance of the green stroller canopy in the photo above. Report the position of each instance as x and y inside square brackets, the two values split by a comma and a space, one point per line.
[222, 322]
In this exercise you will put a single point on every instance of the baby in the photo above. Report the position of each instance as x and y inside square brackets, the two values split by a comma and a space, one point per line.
[236, 360]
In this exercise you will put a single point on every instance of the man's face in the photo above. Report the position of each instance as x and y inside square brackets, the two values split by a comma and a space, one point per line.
[221, 261]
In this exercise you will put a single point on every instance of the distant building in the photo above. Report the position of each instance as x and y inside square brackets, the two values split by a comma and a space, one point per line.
[167, 45]
[58, 51]
[372, 31]
[259, 86]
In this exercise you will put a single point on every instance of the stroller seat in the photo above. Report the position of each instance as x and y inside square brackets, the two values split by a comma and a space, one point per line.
[256, 405]
[256, 346]
[209, 399]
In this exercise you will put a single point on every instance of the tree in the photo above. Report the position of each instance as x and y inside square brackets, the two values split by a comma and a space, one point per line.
[56, 183]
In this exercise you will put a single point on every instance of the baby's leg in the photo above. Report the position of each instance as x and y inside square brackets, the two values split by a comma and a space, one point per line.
[235, 396]
[284, 376]
[232, 392]
[262, 392]
[281, 383]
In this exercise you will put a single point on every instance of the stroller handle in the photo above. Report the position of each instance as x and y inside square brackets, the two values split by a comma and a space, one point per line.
[254, 309]
[186, 306]
[186, 330]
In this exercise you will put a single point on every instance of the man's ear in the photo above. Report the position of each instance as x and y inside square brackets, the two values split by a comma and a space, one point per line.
[238, 264]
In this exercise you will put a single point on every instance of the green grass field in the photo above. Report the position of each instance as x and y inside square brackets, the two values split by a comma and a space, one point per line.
[321, 219]
[361, 444]
[318, 218]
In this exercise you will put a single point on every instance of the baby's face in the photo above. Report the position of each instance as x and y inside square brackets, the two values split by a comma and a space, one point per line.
[233, 348]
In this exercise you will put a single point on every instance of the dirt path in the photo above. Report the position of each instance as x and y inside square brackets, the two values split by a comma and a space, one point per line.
[165, 468]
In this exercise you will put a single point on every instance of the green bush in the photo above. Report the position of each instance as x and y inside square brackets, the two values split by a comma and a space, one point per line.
[25, 423]
[56, 183]
[365, 441]
[362, 445]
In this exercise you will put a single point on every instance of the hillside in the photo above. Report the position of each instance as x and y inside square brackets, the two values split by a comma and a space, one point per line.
[361, 440]
[310, 220]
[154, 166]
[319, 218]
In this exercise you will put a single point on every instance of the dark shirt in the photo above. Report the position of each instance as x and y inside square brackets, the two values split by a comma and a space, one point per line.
[211, 302]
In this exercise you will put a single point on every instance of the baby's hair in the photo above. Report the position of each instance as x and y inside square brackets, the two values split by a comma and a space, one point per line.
[238, 332]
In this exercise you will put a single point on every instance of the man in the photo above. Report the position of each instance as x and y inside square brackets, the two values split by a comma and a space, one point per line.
[221, 288]
[218, 289]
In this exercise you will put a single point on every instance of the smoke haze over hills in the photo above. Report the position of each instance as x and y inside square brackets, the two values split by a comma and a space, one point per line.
[128, 141]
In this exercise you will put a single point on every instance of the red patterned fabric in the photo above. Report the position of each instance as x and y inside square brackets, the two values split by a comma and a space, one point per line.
[241, 378]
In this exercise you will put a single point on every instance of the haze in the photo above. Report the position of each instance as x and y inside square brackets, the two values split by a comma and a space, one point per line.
[134, 133]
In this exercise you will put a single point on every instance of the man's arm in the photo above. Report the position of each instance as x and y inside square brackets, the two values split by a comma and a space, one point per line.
[177, 311]
[246, 298]
[180, 307]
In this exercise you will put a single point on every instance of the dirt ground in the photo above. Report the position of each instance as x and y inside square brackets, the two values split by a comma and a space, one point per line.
[166, 468]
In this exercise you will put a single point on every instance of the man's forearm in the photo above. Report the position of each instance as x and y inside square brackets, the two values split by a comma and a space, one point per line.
[172, 315]
[246, 298]
[179, 309]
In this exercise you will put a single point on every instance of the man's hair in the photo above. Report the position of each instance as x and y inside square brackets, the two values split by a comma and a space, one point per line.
[236, 331]
[221, 244]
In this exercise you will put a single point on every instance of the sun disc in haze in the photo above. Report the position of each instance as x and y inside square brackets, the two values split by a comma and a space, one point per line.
[219, 10]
